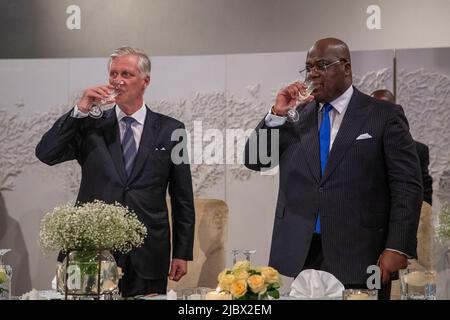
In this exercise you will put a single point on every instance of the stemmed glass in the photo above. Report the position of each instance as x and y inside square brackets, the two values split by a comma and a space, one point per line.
[246, 252]
[96, 111]
[235, 253]
[292, 114]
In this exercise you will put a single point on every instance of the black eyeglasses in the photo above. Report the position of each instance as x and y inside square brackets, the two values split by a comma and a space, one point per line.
[321, 67]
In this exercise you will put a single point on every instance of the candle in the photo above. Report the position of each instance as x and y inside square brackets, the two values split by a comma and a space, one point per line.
[358, 296]
[215, 295]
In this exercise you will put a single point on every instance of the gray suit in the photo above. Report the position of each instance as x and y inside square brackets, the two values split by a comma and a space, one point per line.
[369, 196]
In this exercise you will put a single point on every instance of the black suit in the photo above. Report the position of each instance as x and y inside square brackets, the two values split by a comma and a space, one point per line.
[96, 145]
[424, 158]
[369, 196]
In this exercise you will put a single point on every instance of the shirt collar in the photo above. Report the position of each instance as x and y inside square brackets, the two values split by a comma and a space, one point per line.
[341, 102]
[139, 115]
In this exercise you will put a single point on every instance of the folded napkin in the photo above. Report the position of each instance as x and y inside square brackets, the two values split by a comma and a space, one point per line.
[316, 284]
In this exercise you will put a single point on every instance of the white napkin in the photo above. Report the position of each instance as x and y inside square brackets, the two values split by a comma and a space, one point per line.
[171, 295]
[315, 284]
[31, 295]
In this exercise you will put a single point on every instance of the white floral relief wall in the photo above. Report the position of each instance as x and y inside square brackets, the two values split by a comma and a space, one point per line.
[425, 97]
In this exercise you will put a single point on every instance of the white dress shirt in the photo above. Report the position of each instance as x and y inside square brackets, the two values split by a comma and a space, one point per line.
[137, 126]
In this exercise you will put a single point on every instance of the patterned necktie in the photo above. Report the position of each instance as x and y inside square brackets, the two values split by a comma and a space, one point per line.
[324, 135]
[128, 145]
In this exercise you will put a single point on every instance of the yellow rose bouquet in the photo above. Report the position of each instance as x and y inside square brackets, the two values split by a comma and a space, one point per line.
[245, 282]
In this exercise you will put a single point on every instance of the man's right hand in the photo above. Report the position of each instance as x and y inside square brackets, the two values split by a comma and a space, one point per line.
[287, 98]
[92, 96]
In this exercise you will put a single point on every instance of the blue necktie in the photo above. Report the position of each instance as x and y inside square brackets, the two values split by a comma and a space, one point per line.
[128, 145]
[324, 137]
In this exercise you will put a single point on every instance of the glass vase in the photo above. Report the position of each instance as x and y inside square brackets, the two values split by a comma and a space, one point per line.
[88, 274]
[5, 282]
[5, 277]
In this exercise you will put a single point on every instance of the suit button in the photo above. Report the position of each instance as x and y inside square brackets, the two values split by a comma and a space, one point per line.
[321, 189]
[127, 188]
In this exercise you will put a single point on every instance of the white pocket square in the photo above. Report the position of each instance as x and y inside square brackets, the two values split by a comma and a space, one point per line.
[160, 149]
[364, 136]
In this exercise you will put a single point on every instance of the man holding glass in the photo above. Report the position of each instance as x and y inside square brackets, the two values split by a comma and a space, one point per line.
[125, 157]
[350, 189]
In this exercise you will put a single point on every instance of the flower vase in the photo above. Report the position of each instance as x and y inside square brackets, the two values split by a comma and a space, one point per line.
[5, 282]
[5, 277]
[88, 274]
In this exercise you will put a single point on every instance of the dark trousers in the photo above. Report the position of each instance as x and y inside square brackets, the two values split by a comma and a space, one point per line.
[315, 260]
[132, 284]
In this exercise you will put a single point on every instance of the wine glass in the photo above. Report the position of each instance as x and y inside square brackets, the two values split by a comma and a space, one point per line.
[235, 253]
[96, 110]
[292, 114]
[248, 253]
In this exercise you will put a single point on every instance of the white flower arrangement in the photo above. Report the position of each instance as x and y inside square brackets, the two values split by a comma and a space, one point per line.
[444, 223]
[91, 226]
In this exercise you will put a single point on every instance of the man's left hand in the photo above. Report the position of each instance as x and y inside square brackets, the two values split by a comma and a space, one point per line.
[178, 269]
[390, 262]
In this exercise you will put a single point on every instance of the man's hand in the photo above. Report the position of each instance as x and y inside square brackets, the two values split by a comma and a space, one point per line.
[287, 98]
[178, 269]
[93, 95]
[390, 262]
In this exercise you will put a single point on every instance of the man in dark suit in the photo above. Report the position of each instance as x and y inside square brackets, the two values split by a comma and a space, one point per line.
[350, 189]
[126, 157]
[422, 150]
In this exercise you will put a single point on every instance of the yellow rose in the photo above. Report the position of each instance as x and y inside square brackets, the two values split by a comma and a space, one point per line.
[3, 275]
[241, 274]
[242, 265]
[222, 274]
[270, 275]
[238, 288]
[256, 283]
[226, 281]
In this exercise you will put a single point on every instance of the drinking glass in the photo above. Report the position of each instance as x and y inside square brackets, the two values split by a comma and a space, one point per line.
[235, 253]
[292, 114]
[417, 284]
[359, 294]
[96, 111]
[246, 252]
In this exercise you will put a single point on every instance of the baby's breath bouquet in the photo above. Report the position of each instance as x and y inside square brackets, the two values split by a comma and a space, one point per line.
[444, 223]
[245, 282]
[90, 227]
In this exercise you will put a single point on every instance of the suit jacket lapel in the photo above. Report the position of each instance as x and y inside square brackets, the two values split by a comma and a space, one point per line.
[308, 133]
[356, 115]
[148, 140]
[111, 134]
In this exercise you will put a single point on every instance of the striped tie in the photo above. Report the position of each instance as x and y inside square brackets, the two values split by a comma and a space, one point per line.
[128, 145]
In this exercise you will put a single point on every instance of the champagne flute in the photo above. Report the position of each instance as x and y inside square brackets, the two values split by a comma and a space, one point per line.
[248, 253]
[96, 110]
[235, 253]
[292, 114]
